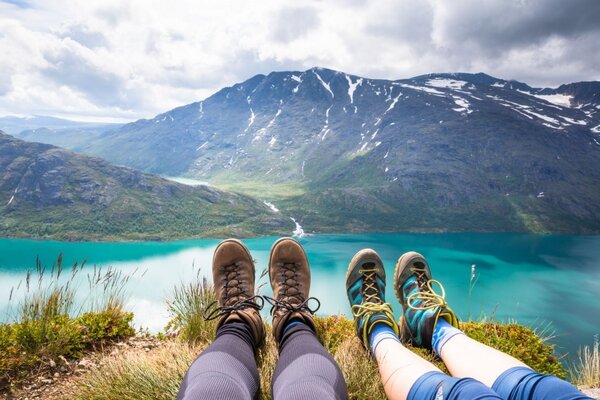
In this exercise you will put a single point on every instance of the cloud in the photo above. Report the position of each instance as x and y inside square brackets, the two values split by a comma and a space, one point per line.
[84, 35]
[17, 3]
[495, 27]
[291, 23]
[136, 58]
[71, 65]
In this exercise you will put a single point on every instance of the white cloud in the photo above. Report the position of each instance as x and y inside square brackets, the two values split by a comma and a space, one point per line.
[136, 58]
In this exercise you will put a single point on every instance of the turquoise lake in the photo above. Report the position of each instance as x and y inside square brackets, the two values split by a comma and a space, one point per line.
[538, 280]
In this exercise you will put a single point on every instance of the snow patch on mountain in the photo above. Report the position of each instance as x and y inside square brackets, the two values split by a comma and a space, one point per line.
[499, 84]
[203, 145]
[394, 101]
[352, 87]
[422, 89]
[250, 120]
[463, 105]
[573, 121]
[446, 83]
[543, 117]
[556, 99]
[596, 129]
[325, 85]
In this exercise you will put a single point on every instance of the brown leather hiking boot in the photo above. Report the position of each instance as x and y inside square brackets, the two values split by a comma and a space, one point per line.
[233, 279]
[290, 279]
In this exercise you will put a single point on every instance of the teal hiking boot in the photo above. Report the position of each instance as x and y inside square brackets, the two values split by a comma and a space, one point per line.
[421, 306]
[365, 285]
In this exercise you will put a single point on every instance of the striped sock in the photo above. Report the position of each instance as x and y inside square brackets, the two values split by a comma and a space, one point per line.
[379, 333]
[442, 333]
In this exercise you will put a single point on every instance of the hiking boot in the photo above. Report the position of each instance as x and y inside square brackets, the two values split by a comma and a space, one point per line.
[421, 306]
[365, 285]
[233, 279]
[290, 279]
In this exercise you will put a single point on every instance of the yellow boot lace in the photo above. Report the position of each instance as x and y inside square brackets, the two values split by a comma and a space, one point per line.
[426, 298]
[372, 304]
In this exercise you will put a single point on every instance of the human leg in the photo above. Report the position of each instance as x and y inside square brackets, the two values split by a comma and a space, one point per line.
[427, 321]
[227, 368]
[305, 370]
[224, 370]
[404, 374]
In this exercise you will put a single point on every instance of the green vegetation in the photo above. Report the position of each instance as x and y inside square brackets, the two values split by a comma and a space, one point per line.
[586, 369]
[75, 197]
[186, 306]
[158, 374]
[48, 325]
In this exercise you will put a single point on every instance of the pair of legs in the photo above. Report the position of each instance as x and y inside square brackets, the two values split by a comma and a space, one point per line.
[227, 368]
[478, 371]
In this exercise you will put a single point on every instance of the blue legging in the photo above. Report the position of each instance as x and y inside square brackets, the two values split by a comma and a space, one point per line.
[519, 383]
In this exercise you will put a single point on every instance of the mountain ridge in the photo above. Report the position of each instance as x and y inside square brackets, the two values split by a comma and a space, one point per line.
[446, 152]
[49, 192]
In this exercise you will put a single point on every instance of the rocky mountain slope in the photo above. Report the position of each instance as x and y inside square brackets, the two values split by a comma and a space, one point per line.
[341, 152]
[48, 192]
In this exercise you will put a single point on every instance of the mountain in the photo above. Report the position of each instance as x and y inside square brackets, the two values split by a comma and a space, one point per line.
[49, 192]
[56, 131]
[14, 125]
[438, 152]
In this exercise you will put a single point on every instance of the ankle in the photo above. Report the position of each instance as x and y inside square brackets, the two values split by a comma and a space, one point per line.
[442, 333]
[378, 334]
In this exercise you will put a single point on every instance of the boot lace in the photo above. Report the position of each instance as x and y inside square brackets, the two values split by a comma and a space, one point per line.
[212, 312]
[294, 302]
[372, 303]
[231, 273]
[426, 297]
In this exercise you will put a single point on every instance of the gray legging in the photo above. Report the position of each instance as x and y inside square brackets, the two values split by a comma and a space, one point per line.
[227, 369]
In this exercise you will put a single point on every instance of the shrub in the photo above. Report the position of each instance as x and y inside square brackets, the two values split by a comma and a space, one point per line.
[46, 326]
[520, 342]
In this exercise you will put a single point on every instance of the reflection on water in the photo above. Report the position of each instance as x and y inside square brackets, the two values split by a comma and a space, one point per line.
[532, 279]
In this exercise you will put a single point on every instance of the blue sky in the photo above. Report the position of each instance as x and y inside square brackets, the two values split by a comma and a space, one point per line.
[128, 59]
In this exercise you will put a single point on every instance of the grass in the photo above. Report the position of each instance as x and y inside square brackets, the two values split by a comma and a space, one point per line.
[260, 189]
[585, 371]
[186, 305]
[48, 325]
[158, 374]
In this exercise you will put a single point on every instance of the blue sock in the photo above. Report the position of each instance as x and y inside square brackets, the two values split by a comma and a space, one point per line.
[381, 332]
[442, 333]
[291, 323]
